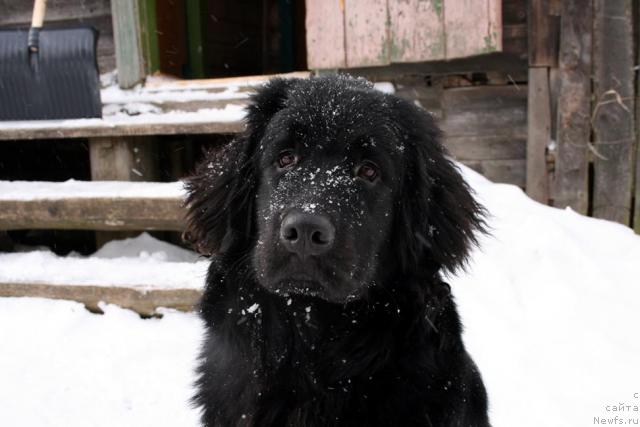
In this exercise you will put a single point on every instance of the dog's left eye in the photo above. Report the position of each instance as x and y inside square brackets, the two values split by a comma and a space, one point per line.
[287, 158]
[368, 170]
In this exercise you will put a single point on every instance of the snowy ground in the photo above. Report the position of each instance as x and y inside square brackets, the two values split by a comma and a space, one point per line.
[551, 305]
[143, 263]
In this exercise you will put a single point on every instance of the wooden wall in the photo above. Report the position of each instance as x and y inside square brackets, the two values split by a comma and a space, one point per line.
[17, 13]
[582, 106]
[485, 125]
[361, 33]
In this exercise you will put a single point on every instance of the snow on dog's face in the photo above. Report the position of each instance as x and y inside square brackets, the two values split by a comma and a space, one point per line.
[334, 188]
[329, 170]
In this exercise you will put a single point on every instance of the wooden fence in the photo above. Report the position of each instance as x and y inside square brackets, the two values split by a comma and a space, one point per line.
[583, 92]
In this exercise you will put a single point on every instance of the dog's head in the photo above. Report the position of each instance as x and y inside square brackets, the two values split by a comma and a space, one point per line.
[333, 188]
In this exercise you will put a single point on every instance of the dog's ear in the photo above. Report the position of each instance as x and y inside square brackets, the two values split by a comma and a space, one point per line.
[221, 193]
[439, 216]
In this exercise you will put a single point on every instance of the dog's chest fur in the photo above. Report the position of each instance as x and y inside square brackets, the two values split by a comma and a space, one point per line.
[298, 362]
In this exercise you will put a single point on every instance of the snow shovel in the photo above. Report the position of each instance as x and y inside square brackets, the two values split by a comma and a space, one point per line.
[48, 73]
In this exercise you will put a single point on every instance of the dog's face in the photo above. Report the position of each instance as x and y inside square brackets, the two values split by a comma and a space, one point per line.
[334, 187]
[329, 172]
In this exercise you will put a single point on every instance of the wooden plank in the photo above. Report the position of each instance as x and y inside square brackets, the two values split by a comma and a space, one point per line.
[538, 134]
[122, 159]
[485, 110]
[473, 27]
[499, 61]
[20, 11]
[487, 147]
[543, 34]
[325, 34]
[91, 128]
[502, 171]
[613, 111]
[195, 41]
[224, 82]
[92, 214]
[149, 36]
[574, 107]
[636, 216]
[141, 300]
[417, 31]
[366, 33]
[128, 43]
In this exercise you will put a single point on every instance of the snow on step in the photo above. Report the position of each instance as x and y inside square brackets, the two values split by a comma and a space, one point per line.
[44, 190]
[142, 273]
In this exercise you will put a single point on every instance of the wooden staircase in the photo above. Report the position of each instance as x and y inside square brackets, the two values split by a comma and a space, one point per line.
[117, 199]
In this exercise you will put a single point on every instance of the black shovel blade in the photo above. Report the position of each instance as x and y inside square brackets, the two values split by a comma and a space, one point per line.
[60, 81]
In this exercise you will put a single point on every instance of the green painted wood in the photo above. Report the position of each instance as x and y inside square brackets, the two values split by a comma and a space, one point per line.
[148, 26]
[195, 39]
[128, 43]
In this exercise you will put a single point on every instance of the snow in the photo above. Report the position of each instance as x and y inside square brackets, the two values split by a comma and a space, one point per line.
[115, 95]
[550, 304]
[145, 105]
[63, 366]
[143, 262]
[44, 190]
[229, 114]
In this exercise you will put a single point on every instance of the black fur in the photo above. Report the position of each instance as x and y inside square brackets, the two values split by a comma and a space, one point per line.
[378, 343]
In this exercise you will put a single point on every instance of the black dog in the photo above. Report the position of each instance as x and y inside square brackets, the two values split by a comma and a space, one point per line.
[329, 222]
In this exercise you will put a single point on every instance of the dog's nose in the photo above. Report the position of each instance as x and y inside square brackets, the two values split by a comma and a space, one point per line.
[307, 233]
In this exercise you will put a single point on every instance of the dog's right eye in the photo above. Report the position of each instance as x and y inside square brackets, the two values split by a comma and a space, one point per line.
[287, 158]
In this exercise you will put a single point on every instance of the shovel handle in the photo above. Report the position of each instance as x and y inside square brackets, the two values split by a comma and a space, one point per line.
[39, 8]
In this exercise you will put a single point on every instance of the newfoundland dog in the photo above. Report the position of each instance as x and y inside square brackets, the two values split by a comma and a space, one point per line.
[329, 223]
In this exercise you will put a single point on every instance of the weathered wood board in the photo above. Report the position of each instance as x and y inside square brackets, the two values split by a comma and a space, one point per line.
[636, 216]
[92, 214]
[571, 178]
[543, 34]
[325, 34]
[538, 134]
[380, 32]
[485, 127]
[472, 27]
[503, 171]
[417, 31]
[20, 11]
[122, 159]
[144, 302]
[613, 110]
[128, 43]
[366, 32]
[89, 128]
[484, 110]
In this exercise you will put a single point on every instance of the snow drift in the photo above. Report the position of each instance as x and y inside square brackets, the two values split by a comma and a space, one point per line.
[551, 305]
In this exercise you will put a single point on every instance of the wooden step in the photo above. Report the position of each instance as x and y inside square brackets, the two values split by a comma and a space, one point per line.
[158, 108]
[143, 301]
[141, 274]
[91, 205]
